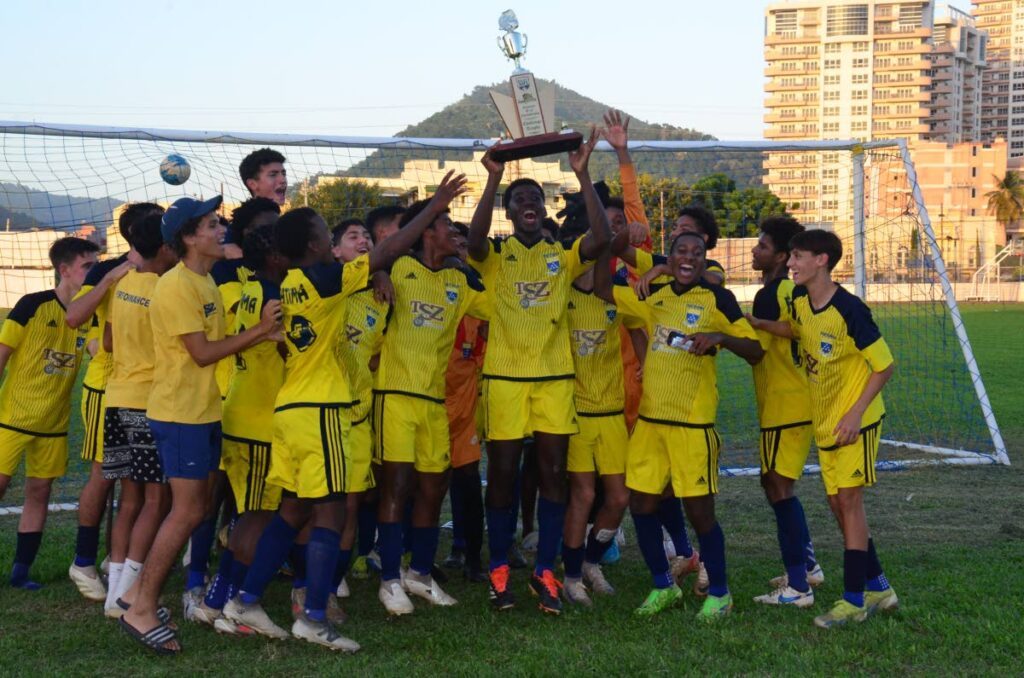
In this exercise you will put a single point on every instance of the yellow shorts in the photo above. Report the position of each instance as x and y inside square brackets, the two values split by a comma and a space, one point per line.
[45, 456]
[360, 447]
[411, 430]
[784, 450]
[309, 455]
[601, 445]
[518, 409]
[685, 456]
[852, 465]
[246, 463]
[92, 424]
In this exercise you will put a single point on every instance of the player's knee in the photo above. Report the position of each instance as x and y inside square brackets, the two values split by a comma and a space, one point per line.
[5, 480]
[581, 493]
[616, 499]
[37, 490]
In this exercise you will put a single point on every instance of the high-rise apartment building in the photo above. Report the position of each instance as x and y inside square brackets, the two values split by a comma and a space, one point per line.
[1002, 108]
[958, 66]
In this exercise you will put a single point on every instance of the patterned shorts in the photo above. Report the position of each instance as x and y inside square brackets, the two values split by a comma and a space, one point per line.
[133, 452]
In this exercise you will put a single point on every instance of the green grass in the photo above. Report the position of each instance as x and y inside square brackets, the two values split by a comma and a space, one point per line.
[951, 540]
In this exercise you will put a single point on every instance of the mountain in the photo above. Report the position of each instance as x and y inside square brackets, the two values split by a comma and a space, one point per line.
[17, 220]
[53, 210]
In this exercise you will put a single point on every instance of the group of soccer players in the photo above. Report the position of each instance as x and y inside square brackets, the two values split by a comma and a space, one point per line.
[328, 384]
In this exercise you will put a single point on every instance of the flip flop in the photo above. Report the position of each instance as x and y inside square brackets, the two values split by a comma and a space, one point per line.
[162, 613]
[154, 639]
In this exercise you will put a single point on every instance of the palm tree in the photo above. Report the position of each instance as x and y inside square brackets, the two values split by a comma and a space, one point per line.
[1006, 203]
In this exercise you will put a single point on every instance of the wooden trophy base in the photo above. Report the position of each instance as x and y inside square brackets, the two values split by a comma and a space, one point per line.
[535, 146]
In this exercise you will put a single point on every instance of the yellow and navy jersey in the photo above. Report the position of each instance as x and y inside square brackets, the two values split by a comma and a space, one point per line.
[780, 383]
[596, 352]
[229, 275]
[313, 305]
[365, 322]
[529, 286]
[429, 304]
[98, 370]
[681, 388]
[258, 370]
[841, 347]
[131, 329]
[645, 261]
[36, 394]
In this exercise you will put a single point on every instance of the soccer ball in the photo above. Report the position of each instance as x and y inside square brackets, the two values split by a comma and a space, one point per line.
[175, 170]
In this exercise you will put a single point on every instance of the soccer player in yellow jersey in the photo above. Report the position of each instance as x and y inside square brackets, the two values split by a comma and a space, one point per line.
[310, 457]
[41, 354]
[410, 419]
[692, 219]
[847, 363]
[784, 413]
[528, 369]
[675, 441]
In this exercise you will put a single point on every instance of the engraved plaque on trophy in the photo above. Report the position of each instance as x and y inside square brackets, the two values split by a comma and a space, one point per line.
[528, 110]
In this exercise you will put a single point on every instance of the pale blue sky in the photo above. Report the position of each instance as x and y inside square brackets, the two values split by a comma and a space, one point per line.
[370, 68]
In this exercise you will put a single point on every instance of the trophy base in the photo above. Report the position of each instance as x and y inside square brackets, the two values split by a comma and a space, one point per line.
[535, 146]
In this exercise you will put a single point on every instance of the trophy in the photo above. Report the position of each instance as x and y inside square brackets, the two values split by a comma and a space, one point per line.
[529, 113]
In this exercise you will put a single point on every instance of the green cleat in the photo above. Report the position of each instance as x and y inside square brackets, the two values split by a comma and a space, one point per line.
[659, 600]
[715, 607]
[841, 613]
[881, 601]
[360, 568]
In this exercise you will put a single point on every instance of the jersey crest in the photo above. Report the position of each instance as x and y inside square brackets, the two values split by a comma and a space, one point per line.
[301, 333]
[693, 314]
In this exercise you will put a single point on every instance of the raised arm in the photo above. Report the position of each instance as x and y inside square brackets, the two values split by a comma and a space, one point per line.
[82, 309]
[599, 236]
[603, 278]
[616, 133]
[480, 225]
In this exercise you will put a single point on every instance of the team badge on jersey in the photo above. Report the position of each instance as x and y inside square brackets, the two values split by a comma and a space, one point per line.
[427, 315]
[209, 309]
[451, 293]
[828, 342]
[588, 342]
[301, 333]
[371, 320]
[553, 263]
[533, 293]
[610, 312]
[693, 313]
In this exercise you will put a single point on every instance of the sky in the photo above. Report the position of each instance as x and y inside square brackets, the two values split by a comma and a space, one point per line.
[371, 68]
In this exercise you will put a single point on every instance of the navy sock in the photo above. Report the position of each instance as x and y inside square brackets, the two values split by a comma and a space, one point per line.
[670, 514]
[407, 527]
[550, 519]
[572, 558]
[854, 566]
[367, 521]
[424, 546]
[648, 537]
[271, 552]
[517, 493]
[86, 545]
[344, 560]
[390, 550]
[297, 559]
[321, 562]
[810, 561]
[202, 542]
[455, 494]
[238, 572]
[788, 519]
[24, 555]
[712, 553]
[217, 593]
[473, 516]
[596, 549]
[875, 577]
[499, 535]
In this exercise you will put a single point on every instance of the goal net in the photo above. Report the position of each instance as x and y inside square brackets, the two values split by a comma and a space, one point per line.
[58, 179]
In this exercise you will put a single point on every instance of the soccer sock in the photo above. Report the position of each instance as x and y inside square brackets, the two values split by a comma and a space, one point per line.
[854, 567]
[113, 578]
[597, 548]
[344, 560]
[130, 571]
[455, 497]
[787, 518]
[424, 546]
[407, 527]
[297, 558]
[271, 552]
[473, 517]
[217, 593]
[648, 537]
[572, 559]
[86, 545]
[670, 514]
[202, 542]
[550, 519]
[873, 573]
[390, 550]
[321, 562]
[712, 552]
[499, 535]
[238, 572]
[810, 561]
[24, 555]
[367, 520]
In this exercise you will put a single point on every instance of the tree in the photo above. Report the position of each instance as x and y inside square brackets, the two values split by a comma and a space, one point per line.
[710, 191]
[661, 197]
[1006, 203]
[744, 210]
[337, 199]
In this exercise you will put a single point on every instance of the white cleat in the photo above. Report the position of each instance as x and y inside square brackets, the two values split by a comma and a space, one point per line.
[105, 566]
[815, 577]
[335, 614]
[701, 584]
[394, 598]
[191, 606]
[254, 617]
[323, 633]
[225, 626]
[594, 576]
[343, 590]
[576, 592]
[529, 544]
[787, 595]
[426, 588]
[88, 582]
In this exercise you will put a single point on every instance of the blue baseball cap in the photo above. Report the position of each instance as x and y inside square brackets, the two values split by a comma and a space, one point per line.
[184, 209]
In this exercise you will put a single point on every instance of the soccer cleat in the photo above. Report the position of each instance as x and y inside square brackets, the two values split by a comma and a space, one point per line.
[715, 607]
[105, 566]
[335, 614]
[474, 574]
[529, 543]
[576, 592]
[394, 598]
[547, 588]
[202, 613]
[682, 567]
[322, 633]
[612, 555]
[786, 595]
[501, 596]
[88, 582]
[594, 576]
[456, 560]
[425, 587]
[881, 601]
[659, 600]
[191, 602]
[254, 617]
[298, 602]
[373, 561]
[515, 558]
[841, 613]
[343, 589]
[815, 577]
[225, 626]
[360, 568]
[701, 583]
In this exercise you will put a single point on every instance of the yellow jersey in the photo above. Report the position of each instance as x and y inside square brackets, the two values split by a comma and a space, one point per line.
[313, 305]
[841, 347]
[529, 286]
[229, 275]
[681, 388]
[184, 302]
[429, 304]
[98, 370]
[780, 384]
[365, 322]
[36, 394]
[131, 328]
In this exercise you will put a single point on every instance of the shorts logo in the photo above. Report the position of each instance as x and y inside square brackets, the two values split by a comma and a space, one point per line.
[424, 314]
[588, 342]
[857, 474]
[301, 333]
[57, 362]
[828, 342]
[553, 263]
[451, 293]
[533, 293]
[353, 334]
[659, 340]
[693, 314]
[209, 309]
[701, 481]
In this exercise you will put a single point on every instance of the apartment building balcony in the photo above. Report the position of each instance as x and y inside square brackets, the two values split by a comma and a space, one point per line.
[777, 160]
[808, 68]
[913, 65]
[885, 30]
[920, 112]
[799, 117]
[810, 37]
[777, 53]
[777, 85]
[889, 81]
[777, 100]
[775, 132]
[893, 131]
[779, 179]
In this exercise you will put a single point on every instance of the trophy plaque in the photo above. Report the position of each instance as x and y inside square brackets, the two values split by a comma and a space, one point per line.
[529, 113]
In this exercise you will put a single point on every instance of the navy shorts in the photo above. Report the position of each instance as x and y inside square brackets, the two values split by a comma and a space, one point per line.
[187, 450]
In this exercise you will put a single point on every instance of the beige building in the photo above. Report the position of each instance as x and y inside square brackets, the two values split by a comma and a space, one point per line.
[1002, 113]
[958, 64]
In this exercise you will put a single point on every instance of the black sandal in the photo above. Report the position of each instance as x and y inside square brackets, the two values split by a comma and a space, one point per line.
[154, 639]
[162, 613]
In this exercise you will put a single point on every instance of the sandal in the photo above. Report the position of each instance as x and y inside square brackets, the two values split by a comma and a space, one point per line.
[162, 613]
[154, 639]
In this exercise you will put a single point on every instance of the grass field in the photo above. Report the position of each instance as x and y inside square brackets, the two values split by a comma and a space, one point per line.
[951, 540]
